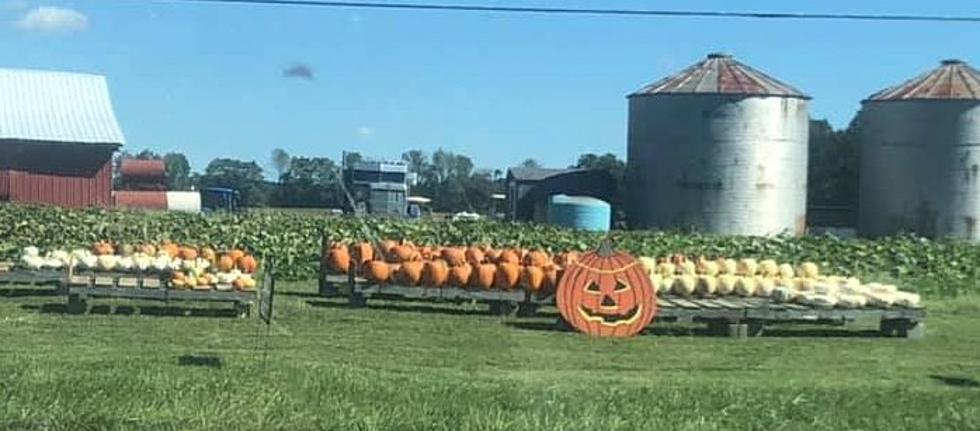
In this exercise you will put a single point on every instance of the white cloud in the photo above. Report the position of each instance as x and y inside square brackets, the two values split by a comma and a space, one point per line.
[53, 19]
[365, 131]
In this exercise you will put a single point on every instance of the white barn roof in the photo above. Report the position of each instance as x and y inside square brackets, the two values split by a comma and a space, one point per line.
[56, 107]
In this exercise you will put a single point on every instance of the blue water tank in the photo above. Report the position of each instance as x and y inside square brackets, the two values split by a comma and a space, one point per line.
[579, 212]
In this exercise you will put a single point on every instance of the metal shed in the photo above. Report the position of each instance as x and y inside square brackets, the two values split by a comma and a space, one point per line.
[57, 135]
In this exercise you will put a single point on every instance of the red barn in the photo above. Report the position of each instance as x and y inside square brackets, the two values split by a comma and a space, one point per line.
[58, 133]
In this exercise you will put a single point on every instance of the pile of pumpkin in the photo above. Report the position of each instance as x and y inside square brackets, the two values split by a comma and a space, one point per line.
[782, 282]
[187, 267]
[474, 267]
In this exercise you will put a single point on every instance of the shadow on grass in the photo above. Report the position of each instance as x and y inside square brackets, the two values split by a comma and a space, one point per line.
[199, 361]
[299, 294]
[28, 291]
[959, 382]
[403, 308]
[129, 310]
[671, 330]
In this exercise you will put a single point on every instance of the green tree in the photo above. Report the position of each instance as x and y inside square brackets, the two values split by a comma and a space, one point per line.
[832, 176]
[310, 182]
[178, 171]
[246, 177]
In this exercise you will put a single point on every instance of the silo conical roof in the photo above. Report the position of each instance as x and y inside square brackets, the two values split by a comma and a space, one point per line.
[952, 80]
[720, 74]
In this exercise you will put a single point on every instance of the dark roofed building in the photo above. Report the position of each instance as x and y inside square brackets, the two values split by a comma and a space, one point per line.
[57, 136]
[528, 189]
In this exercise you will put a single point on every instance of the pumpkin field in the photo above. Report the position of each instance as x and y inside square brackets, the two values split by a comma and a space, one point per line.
[408, 365]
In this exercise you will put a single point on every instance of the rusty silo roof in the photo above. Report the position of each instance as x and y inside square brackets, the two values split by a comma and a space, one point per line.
[953, 79]
[720, 74]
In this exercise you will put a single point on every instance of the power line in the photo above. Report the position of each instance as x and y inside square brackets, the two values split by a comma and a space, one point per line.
[590, 11]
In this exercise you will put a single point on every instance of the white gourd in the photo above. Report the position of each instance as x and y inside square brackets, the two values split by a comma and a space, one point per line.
[108, 262]
[745, 286]
[684, 285]
[52, 263]
[90, 262]
[709, 268]
[786, 271]
[768, 268]
[666, 269]
[846, 300]
[825, 288]
[666, 284]
[726, 284]
[161, 263]
[687, 268]
[649, 264]
[727, 266]
[808, 270]
[706, 285]
[655, 280]
[764, 286]
[906, 299]
[747, 267]
[126, 264]
[880, 299]
[31, 251]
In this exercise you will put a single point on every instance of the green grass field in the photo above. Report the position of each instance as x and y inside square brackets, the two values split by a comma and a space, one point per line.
[411, 366]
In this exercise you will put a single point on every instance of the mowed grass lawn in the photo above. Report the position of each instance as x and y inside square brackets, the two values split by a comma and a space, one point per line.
[403, 366]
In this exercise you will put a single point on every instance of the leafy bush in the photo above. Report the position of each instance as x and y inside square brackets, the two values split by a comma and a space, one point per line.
[947, 267]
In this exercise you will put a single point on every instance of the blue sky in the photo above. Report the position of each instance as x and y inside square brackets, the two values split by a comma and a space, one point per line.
[207, 80]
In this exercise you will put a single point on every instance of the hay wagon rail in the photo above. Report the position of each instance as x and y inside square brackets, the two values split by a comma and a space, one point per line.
[359, 290]
[80, 287]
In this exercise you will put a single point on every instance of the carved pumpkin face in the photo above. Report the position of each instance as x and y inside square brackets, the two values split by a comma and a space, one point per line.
[606, 293]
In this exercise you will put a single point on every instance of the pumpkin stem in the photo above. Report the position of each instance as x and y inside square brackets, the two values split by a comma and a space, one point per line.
[606, 248]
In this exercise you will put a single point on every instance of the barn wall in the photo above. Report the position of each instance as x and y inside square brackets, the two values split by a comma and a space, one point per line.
[4, 185]
[72, 179]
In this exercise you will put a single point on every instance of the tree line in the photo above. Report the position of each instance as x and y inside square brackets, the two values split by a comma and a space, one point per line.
[455, 184]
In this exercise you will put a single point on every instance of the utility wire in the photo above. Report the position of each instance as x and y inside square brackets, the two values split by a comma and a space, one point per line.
[592, 11]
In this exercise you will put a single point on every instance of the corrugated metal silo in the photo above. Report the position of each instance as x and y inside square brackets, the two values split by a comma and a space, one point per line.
[719, 147]
[920, 156]
[579, 212]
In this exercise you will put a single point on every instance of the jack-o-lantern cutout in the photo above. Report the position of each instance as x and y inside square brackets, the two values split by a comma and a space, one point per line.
[606, 293]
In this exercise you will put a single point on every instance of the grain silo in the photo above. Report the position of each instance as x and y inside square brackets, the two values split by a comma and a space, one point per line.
[719, 147]
[920, 156]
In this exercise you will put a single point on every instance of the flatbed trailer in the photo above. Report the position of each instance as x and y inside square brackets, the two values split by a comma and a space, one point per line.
[729, 315]
[80, 287]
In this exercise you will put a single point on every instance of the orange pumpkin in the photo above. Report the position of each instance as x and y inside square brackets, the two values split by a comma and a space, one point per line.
[248, 264]
[409, 273]
[454, 256]
[102, 248]
[551, 274]
[567, 258]
[377, 271]
[226, 263]
[532, 277]
[338, 259]
[492, 255]
[435, 273]
[536, 258]
[361, 253]
[507, 276]
[236, 254]
[509, 256]
[208, 254]
[387, 245]
[474, 256]
[402, 253]
[483, 276]
[459, 276]
[606, 293]
[188, 253]
[171, 249]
